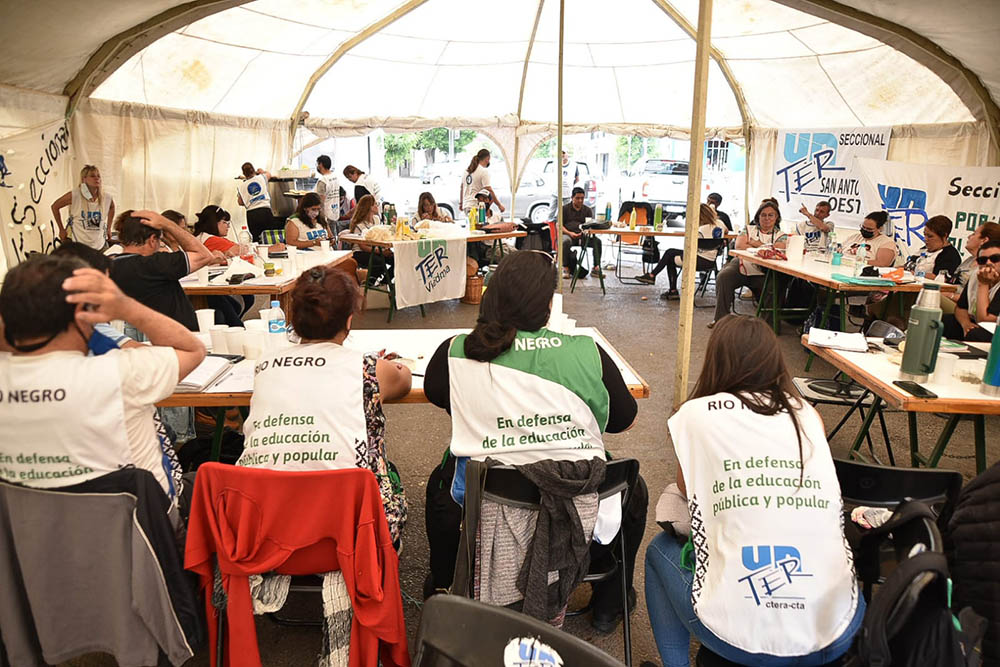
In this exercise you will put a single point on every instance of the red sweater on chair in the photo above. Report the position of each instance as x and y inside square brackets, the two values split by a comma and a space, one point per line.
[256, 521]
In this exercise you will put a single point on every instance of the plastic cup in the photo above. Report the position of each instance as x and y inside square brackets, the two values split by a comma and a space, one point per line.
[292, 265]
[206, 318]
[257, 325]
[324, 245]
[202, 274]
[254, 343]
[218, 333]
[944, 369]
[234, 339]
[264, 252]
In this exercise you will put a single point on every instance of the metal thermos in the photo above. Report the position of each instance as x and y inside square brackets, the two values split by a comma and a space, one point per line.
[991, 378]
[923, 335]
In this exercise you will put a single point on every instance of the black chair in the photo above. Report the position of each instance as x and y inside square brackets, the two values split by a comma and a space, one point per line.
[704, 277]
[506, 486]
[458, 632]
[881, 486]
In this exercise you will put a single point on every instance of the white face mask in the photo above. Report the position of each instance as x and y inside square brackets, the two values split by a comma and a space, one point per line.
[313, 214]
[85, 191]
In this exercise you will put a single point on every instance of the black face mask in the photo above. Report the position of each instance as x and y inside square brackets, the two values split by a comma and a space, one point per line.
[867, 233]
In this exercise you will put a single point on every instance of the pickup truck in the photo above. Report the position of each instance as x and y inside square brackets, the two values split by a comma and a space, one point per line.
[663, 182]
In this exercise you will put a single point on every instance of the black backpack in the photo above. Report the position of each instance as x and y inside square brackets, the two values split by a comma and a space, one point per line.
[909, 622]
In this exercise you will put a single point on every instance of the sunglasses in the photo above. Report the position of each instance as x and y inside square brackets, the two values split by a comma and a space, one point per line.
[988, 258]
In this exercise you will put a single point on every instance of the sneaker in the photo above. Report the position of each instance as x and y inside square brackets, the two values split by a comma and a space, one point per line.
[646, 279]
[671, 295]
[747, 295]
[596, 272]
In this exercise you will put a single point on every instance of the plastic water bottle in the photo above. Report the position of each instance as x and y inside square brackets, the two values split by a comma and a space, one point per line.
[658, 217]
[631, 220]
[920, 270]
[831, 240]
[276, 322]
[246, 244]
[607, 212]
[860, 259]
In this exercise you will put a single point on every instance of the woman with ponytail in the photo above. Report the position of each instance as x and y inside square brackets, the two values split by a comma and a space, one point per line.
[475, 179]
[343, 404]
[544, 395]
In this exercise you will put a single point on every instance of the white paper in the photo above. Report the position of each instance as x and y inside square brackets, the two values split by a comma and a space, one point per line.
[838, 340]
[237, 380]
[208, 370]
[989, 326]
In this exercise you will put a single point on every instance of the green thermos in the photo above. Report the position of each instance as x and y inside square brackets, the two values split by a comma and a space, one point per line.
[923, 335]
[991, 378]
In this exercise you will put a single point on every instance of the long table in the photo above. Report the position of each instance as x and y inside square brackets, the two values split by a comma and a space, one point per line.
[875, 372]
[417, 345]
[277, 287]
[381, 247]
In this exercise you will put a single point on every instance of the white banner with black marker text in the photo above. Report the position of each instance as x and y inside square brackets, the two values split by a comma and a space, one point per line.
[429, 270]
[34, 172]
[912, 193]
[814, 165]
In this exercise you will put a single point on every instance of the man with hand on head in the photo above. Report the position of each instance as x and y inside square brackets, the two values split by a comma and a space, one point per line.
[151, 277]
[815, 227]
[105, 404]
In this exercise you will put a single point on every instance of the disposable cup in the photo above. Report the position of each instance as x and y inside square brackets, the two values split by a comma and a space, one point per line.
[944, 368]
[254, 343]
[324, 245]
[256, 325]
[264, 252]
[206, 318]
[202, 274]
[234, 339]
[218, 333]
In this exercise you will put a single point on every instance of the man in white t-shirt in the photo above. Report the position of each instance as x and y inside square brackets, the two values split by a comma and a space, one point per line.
[68, 417]
[570, 176]
[815, 227]
[328, 189]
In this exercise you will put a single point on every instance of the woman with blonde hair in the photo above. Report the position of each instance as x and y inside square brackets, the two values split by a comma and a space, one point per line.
[91, 211]
[709, 227]
[364, 218]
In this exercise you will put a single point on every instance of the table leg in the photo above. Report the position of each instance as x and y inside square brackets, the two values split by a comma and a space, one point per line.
[198, 301]
[979, 424]
[911, 418]
[943, 440]
[865, 428]
[885, 439]
[847, 415]
[760, 299]
[843, 311]
[823, 322]
[220, 426]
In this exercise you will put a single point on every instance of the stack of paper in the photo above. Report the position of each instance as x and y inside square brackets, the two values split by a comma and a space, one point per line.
[838, 340]
[238, 380]
[205, 374]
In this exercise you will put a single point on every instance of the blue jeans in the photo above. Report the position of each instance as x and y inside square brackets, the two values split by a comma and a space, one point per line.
[668, 597]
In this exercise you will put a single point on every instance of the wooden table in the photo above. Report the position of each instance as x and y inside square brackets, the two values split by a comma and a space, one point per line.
[639, 232]
[876, 373]
[277, 287]
[380, 247]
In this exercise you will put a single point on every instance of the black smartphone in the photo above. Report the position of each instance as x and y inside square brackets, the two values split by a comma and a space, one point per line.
[917, 390]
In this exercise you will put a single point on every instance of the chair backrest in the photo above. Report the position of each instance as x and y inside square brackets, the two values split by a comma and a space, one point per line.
[455, 631]
[505, 485]
[272, 236]
[643, 216]
[881, 486]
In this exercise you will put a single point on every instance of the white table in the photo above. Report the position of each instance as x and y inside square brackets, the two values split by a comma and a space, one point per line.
[876, 372]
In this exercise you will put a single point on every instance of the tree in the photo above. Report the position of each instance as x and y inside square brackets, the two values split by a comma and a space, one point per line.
[437, 139]
[398, 148]
[546, 148]
[629, 149]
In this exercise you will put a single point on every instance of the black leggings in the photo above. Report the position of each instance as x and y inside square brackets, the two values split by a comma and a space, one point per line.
[229, 310]
[667, 262]
[953, 330]
[258, 220]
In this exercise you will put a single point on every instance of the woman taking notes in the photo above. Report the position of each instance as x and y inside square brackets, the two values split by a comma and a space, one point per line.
[338, 423]
[776, 583]
[307, 226]
[91, 211]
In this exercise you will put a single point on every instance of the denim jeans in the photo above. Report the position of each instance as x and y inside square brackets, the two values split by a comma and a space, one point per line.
[668, 597]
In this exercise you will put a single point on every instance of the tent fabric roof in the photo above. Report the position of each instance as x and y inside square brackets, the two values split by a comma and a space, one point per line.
[628, 62]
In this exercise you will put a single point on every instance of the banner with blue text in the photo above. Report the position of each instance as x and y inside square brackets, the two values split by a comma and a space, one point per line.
[814, 165]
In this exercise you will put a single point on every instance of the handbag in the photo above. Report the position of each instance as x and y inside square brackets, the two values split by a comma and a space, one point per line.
[650, 250]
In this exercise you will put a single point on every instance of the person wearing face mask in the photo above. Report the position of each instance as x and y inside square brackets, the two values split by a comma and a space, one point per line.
[881, 248]
[307, 226]
[980, 299]
[91, 211]
[762, 231]
[49, 307]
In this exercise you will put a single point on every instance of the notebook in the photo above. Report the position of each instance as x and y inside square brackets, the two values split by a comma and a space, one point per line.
[207, 372]
[838, 340]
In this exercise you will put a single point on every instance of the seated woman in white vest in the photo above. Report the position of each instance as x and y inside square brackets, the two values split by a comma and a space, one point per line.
[318, 405]
[68, 417]
[513, 381]
[776, 582]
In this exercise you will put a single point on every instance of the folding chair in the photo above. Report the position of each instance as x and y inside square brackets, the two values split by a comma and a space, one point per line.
[633, 242]
[458, 632]
[272, 236]
[506, 486]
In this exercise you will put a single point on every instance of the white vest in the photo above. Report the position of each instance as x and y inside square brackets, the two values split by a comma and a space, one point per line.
[253, 192]
[331, 196]
[307, 410]
[472, 184]
[88, 221]
[773, 571]
[63, 419]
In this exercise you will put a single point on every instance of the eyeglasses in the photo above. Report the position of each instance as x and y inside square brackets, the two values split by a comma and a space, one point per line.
[982, 259]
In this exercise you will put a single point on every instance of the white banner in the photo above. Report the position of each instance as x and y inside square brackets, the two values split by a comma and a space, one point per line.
[816, 165]
[912, 193]
[34, 172]
[429, 270]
